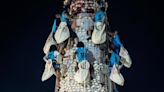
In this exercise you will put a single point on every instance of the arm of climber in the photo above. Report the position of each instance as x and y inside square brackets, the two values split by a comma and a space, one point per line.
[122, 60]
[45, 58]
[104, 18]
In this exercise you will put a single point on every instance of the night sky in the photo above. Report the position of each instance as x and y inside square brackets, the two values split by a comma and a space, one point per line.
[25, 25]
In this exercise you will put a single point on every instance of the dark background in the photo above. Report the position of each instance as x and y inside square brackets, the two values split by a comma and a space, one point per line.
[25, 25]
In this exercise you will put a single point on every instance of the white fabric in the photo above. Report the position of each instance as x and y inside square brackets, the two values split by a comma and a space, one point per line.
[116, 76]
[99, 34]
[83, 74]
[59, 58]
[124, 54]
[48, 71]
[56, 53]
[62, 33]
[50, 41]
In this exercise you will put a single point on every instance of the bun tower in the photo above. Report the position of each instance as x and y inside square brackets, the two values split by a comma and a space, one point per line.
[82, 52]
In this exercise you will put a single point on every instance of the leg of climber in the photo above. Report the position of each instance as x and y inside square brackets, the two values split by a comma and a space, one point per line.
[58, 74]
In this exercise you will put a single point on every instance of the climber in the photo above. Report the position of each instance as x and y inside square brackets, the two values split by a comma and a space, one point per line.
[114, 59]
[67, 17]
[51, 58]
[115, 41]
[64, 20]
[81, 52]
[99, 33]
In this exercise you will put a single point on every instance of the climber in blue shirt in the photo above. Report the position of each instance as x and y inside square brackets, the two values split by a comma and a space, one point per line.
[117, 43]
[114, 58]
[80, 52]
[66, 17]
[52, 56]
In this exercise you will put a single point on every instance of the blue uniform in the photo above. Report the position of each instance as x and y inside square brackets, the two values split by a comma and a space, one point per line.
[99, 16]
[52, 55]
[81, 54]
[54, 27]
[114, 59]
[117, 43]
